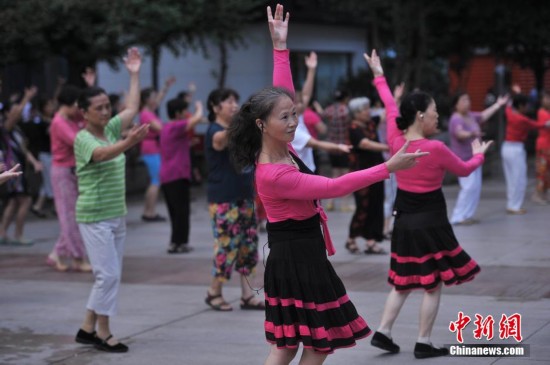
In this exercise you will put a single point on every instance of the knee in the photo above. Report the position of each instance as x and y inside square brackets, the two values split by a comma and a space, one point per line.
[107, 279]
[283, 355]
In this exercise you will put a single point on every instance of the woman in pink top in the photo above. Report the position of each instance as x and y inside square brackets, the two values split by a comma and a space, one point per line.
[150, 147]
[65, 125]
[424, 249]
[305, 300]
[175, 170]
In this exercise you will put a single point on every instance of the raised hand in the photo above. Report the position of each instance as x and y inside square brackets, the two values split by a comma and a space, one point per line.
[138, 133]
[169, 82]
[398, 92]
[132, 61]
[503, 100]
[311, 60]
[480, 146]
[30, 92]
[403, 160]
[278, 26]
[374, 63]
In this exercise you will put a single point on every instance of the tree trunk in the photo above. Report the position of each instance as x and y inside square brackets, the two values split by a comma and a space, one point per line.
[155, 60]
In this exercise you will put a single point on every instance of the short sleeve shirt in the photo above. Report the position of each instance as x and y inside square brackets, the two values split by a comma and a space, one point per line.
[101, 185]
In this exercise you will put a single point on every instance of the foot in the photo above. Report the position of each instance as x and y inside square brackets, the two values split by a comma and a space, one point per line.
[22, 242]
[539, 198]
[87, 338]
[37, 212]
[329, 207]
[110, 344]
[374, 249]
[351, 246]
[217, 303]
[179, 248]
[467, 222]
[423, 351]
[252, 303]
[154, 218]
[384, 342]
[81, 265]
[55, 261]
[516, 212]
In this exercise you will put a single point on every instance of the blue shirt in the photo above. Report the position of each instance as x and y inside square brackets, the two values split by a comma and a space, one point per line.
[225, 185]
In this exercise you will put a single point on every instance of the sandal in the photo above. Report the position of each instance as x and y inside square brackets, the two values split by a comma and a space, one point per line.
[351, 246]
[370, 250]
[221, 307]
[246, 305]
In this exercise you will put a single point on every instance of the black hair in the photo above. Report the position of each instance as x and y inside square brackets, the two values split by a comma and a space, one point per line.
[114, 98]
[40, 102]
[341, 95]
[244, 136]
[183, 94]
[175, 106]
[519, 100]
[456, 98]
[417, 101]
[87, 94]
[144, 95]
[216, 97]
[68, 95]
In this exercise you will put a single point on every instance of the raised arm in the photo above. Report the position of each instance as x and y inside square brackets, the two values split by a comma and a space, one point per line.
[15, 114]
[452, 163]
[162, 92]
[307, 90]
[385, 95]
[196, 117]
[278, 28]
[133, 64]
[488, 113]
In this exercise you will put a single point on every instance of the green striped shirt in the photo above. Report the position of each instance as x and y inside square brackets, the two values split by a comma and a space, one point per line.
[101, 185]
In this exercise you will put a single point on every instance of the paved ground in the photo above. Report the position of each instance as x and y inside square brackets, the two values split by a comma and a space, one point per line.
[164, 320]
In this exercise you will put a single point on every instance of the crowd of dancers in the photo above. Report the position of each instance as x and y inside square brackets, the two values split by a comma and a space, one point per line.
[262, 166]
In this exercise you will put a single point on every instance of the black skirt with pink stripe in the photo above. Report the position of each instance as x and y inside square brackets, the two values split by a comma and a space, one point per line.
[305, 299]
[424, 249]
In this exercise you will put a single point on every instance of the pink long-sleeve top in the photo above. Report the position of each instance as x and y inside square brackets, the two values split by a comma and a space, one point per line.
[429, 172]
[288, 193]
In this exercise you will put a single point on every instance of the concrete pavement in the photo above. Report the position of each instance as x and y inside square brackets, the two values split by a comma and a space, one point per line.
[163, 318]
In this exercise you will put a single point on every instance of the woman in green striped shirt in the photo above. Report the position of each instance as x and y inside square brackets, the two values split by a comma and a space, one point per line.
[101, 205]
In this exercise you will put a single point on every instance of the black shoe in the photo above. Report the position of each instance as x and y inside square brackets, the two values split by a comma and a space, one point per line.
[384, 342]
[179, 248]
[102, 345]
[156, 218]
[423, 351]
[38, 213]
[86, 338]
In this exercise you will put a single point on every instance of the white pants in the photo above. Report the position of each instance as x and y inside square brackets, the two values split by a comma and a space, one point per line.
[390, 191]
[514, 162]
[468, 197]
[104, 242]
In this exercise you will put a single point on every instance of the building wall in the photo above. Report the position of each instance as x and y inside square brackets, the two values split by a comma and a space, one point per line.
[250, 66]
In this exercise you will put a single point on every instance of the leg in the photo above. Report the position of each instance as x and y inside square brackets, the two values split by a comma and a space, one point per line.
[7, 217]
[224, 254]
[89, 323]
[151, 195]
[310, 357]
[247, 253]
[521, 164]
[468, 198]
[24, 203]
[395, 301]
[280, 356]
[428, 312]
[507, 154]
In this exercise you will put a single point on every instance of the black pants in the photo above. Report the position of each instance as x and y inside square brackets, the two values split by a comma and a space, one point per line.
[176, 195]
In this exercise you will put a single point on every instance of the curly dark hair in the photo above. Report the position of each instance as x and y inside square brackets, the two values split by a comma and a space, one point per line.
[244, 136]
[87, 94]
[216, 97]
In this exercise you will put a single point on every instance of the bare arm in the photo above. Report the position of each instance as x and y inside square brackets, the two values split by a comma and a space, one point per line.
[133, 64]
[197, 117]
[219, 140]
[490, 111]
[307, 90]
[162, 92]
[328, 146]
[106, 153]
[367, 144]
[15, 113]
